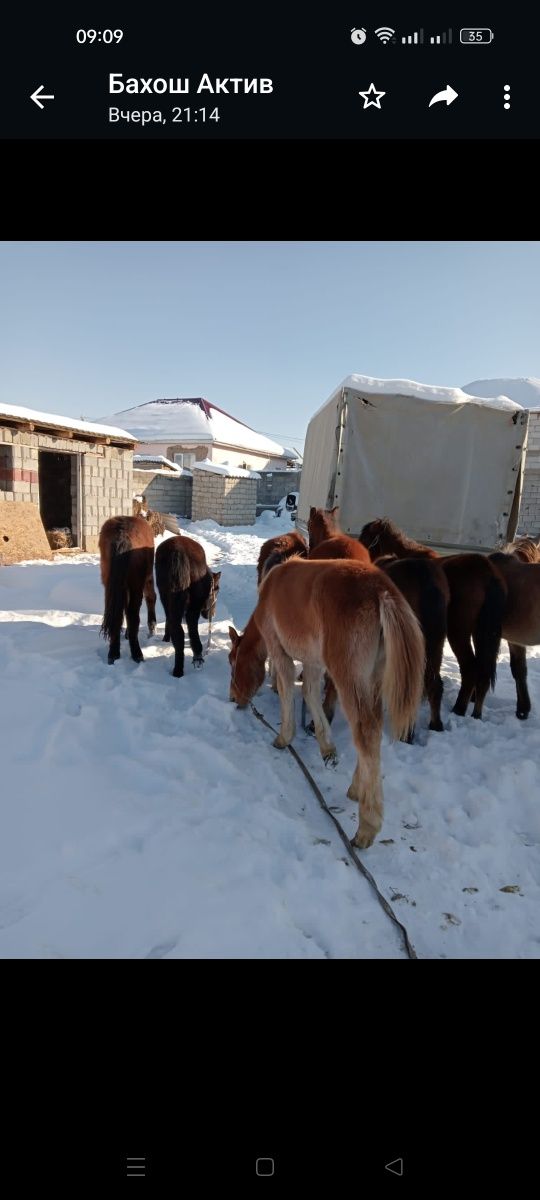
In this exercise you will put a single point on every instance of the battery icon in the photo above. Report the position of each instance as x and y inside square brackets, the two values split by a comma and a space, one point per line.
[476, 37]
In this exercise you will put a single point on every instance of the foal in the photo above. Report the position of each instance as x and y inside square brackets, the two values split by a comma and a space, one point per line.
[326, 539]
[126, 547]
[186, 586]
[352, 621]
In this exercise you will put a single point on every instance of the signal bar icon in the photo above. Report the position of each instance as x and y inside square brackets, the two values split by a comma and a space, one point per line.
[413, 39]
[439, 39]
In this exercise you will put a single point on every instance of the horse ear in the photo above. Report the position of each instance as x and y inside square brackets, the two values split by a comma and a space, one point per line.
[234, 636]
[312, 511]
[334, 511]
[216, 576]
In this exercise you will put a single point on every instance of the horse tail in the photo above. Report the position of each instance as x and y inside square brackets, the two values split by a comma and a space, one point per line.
[173, 571]
[116, 585]
[404, 653]
[488, 629]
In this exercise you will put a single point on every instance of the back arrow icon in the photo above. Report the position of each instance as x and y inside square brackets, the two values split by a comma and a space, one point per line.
[396, 1166]
[37, 97]
[449, 94]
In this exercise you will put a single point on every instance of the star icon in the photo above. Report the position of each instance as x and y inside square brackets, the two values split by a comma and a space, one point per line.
[372, 96]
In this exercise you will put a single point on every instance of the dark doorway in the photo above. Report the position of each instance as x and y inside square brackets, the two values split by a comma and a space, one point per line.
[55, 490]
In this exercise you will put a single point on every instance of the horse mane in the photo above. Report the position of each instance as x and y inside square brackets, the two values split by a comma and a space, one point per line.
[385, 529]
[524, 548]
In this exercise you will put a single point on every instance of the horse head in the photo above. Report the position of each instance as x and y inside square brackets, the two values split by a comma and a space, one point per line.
[247, 673]
[323, 522]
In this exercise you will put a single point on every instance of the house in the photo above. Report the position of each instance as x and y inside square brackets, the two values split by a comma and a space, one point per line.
[189, 430]
[527, 393]
[77, 474]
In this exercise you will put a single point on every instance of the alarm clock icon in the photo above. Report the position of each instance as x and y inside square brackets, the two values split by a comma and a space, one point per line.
[358, 36]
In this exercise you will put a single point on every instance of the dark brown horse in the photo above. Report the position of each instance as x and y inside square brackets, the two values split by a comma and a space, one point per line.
[352, 621]
[521, 621]
[186, 587]
[326, 539]
[284, 544]
[475, 611]
[126, 547]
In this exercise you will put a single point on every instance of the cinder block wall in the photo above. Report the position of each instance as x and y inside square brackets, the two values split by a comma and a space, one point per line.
[106, 483]
[220, 498]
[529, 512]
[165, 493]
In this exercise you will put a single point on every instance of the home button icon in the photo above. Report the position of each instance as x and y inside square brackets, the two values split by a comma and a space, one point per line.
[264, 1166]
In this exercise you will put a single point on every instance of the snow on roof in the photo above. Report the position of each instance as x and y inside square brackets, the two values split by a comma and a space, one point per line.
[157, 458]
[365, 385]
[225, 469]
[44, 418]
[194, 419]
[524, 391]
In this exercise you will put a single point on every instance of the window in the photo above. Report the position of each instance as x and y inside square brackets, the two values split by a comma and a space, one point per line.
[179, 460]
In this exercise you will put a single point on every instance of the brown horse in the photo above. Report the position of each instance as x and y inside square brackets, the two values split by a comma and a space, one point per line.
[477, 601]
[284, 544]
[126, 547]
[326, 539]
[425, 587]
[352, 621]
[186, 586]
[521, 621]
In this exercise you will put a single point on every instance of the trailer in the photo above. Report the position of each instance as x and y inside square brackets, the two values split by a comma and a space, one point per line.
[445, 466]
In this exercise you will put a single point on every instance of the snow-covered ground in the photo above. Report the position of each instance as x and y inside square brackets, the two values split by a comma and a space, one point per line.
[147, 817]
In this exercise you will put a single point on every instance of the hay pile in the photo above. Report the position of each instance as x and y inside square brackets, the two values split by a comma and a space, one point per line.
[59, 538]
[22, 535]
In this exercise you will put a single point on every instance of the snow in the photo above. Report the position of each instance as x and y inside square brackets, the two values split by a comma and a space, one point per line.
[421, 391]
[42, 418]
[147, 817]
[205, 464]
[156, 458]
[525, 392]
[186, 421]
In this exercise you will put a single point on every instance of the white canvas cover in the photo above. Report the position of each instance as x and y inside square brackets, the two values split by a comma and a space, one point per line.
[444, 466]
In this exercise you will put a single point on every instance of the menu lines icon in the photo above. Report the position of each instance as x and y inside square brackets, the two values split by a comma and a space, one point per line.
[135, 1167]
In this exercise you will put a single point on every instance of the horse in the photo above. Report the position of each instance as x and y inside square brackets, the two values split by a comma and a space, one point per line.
[326, 539]
[476, 607]
[126, 547]
[352, 621]
[521, 620]
[284, 544]
[186, 587]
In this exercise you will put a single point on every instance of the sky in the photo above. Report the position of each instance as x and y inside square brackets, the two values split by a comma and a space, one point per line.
[265, 330]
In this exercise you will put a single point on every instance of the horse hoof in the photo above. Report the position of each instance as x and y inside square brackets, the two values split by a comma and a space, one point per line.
[521, 716]
[151, 630]
[363, 838]
[477, 715]
[166, 637]
[310, 729]
[198, 662]
[330, 759]
[279, 743]
[138, 658]
[178, 674]
[436, 726]
[112, 659]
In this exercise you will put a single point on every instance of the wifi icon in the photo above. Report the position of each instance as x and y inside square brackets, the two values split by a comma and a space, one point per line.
[384, 34]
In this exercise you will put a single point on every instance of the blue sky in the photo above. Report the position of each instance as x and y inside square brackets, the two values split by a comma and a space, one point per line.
[265, 330]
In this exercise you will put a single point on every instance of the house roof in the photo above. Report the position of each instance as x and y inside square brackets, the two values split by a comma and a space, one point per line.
[195, 420]
[30, 416]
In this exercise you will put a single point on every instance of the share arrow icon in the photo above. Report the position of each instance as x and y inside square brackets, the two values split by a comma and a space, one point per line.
[40, 95]
[449, 95]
